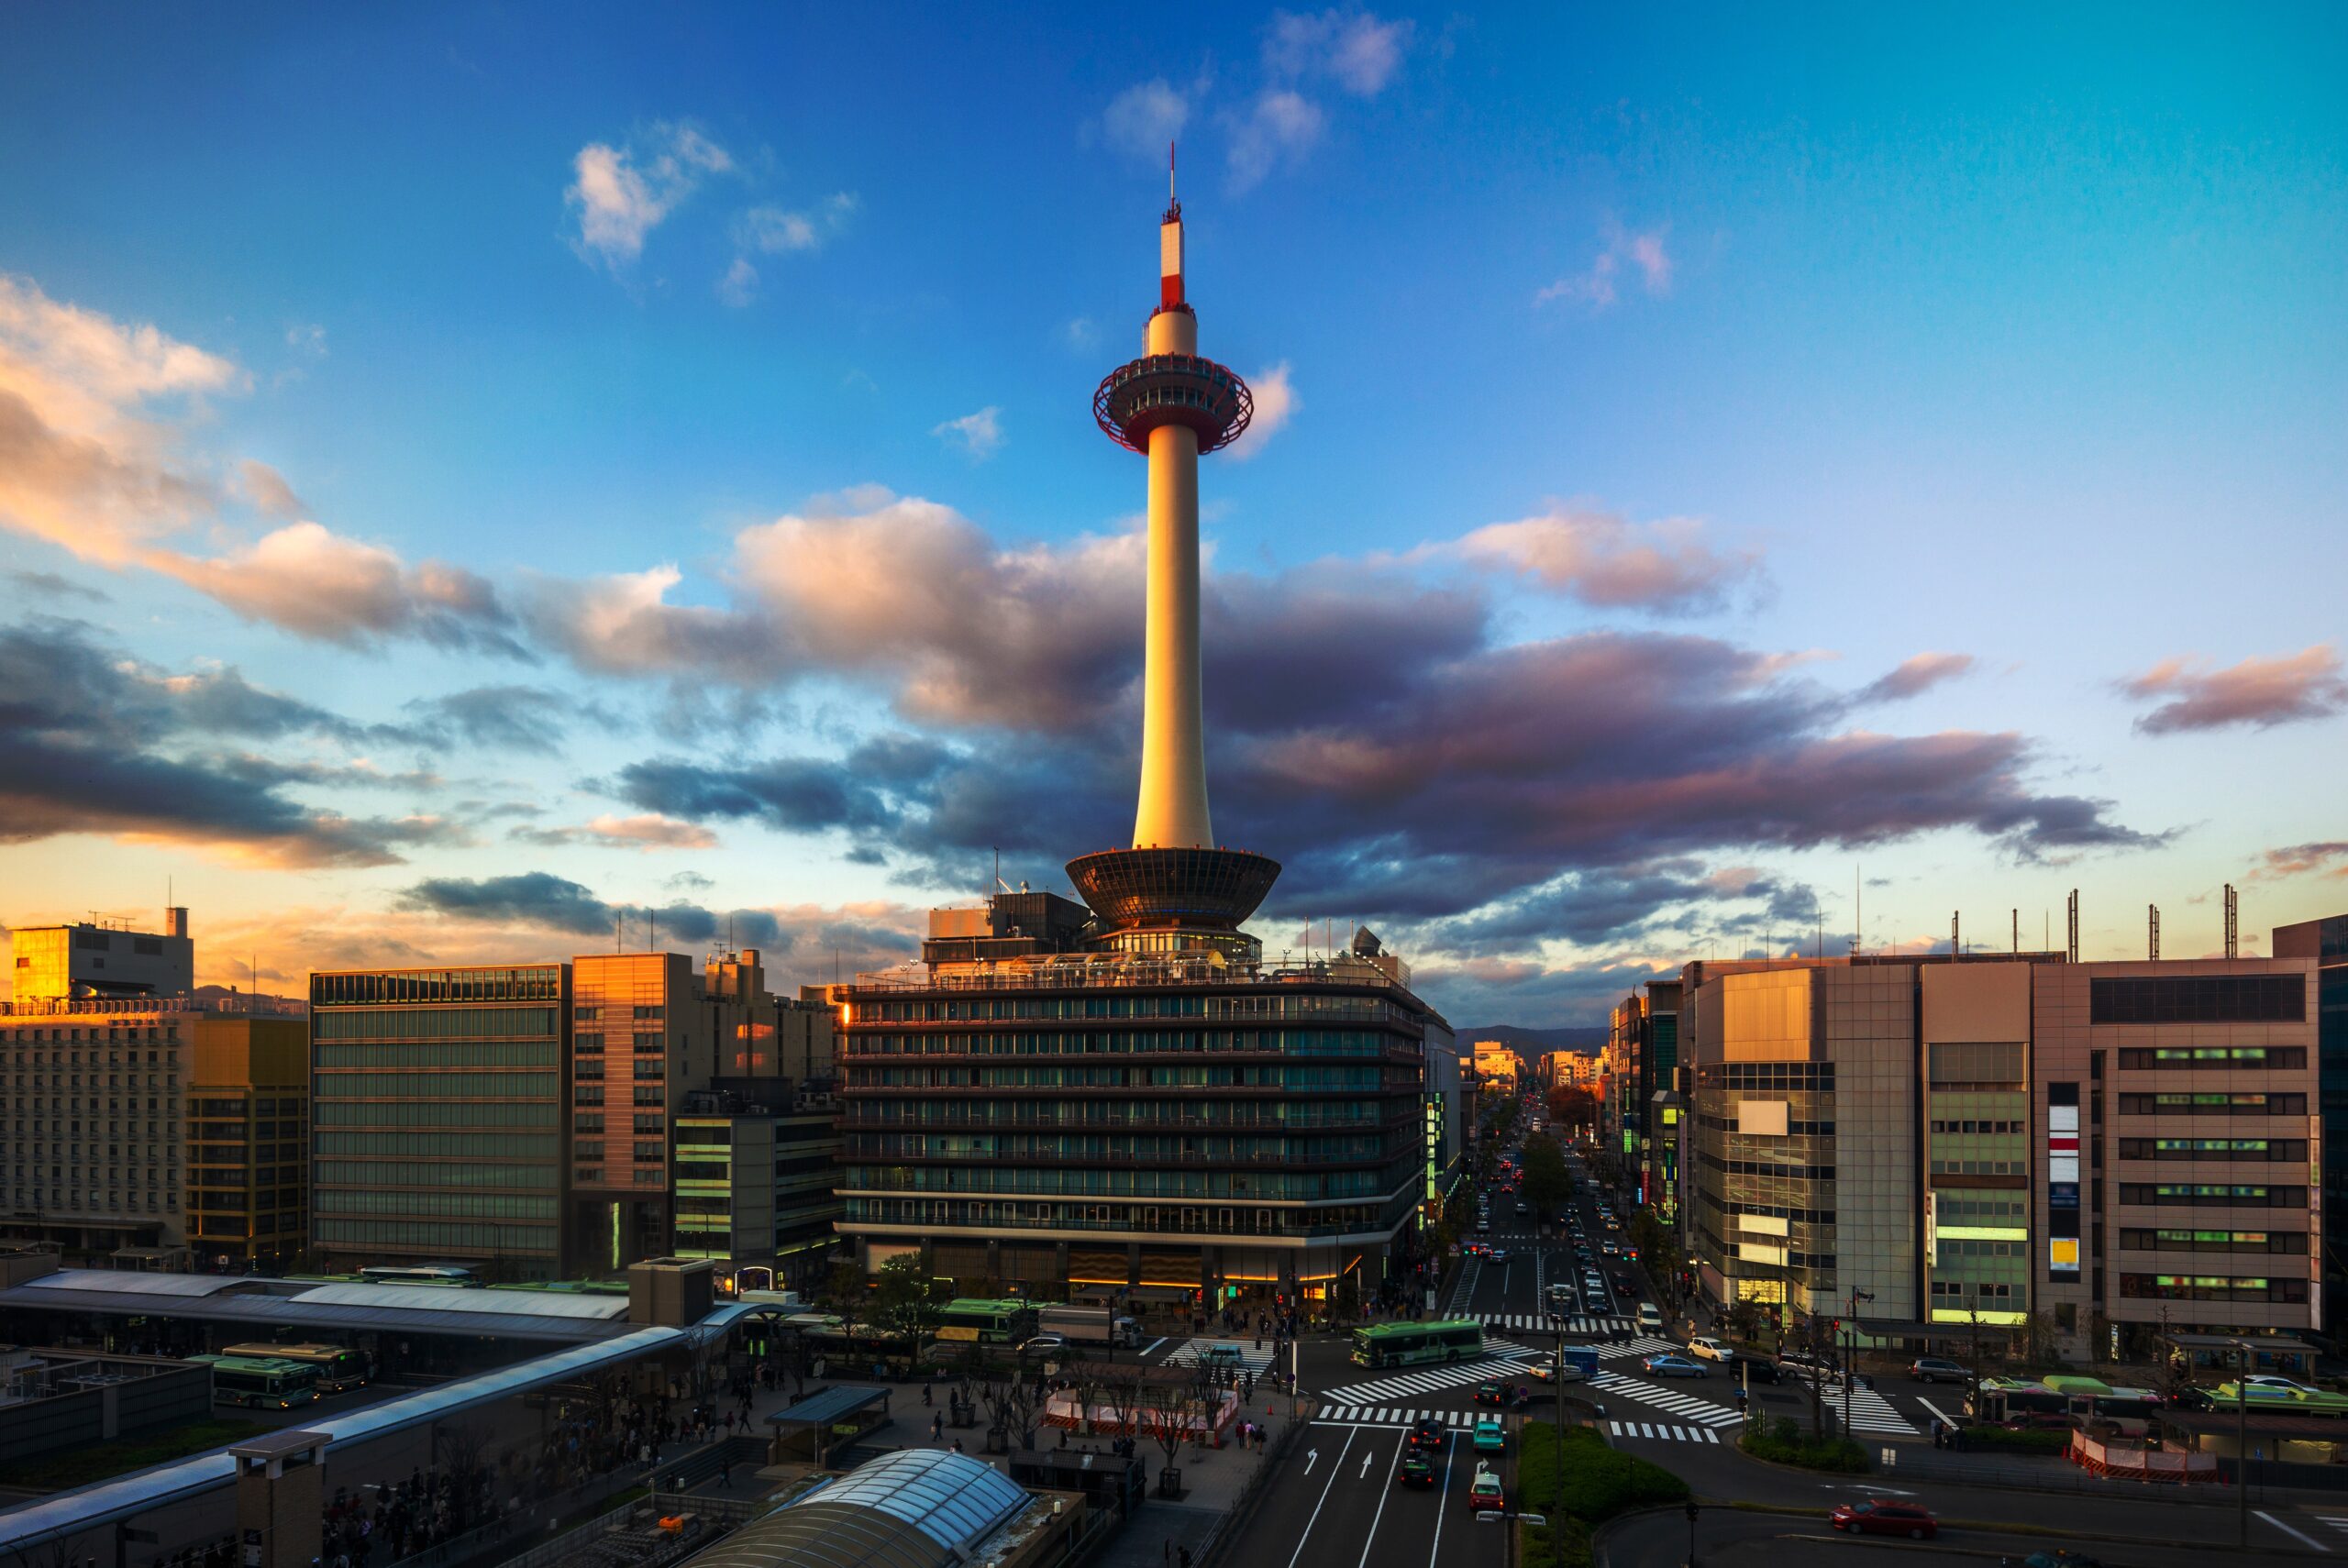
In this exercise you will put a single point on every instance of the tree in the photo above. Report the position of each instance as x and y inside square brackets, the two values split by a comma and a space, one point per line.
[458, 1447]
[1013, 1399]
[1744, 1318]
[902, 1298]
[846, 1293]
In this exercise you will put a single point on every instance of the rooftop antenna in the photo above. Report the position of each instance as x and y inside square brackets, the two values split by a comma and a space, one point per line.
[2017, 931]
[1858, 912]
[2075, 925]
[2152, 930]
[1955, 936]
[1172, 199]
[2233, 924]
[651, 929]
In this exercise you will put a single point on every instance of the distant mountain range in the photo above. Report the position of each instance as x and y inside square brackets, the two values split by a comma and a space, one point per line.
[1537, 1041]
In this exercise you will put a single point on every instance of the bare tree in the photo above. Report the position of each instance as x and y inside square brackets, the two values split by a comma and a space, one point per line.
[459, 1447]
[1014, 1401]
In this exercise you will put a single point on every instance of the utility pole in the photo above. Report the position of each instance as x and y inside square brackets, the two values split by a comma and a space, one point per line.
[2241, 1444]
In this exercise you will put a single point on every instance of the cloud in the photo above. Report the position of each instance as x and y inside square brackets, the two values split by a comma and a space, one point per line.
[267, 489]
[1146, 117]
[2305, 859]
[1354, 49]
[317, 584]
[1276, 402]
[2256, 692]
[504, 718]
[980, 434]
[770, 230]
[1278, 129]
[49, 585]
[646, 832]
[739, 286]
[82, 462]
[1081, 333]
[92, 742]
[1595, 286]
[623, 193]
[864, 936]
[1915, 676]
[1602, 558]
[308, 339]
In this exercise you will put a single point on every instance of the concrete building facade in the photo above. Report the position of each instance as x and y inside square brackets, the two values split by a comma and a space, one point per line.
[85, 959]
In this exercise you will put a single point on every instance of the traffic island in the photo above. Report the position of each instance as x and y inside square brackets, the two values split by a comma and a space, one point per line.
[1575, 1482]
[1783, 1441]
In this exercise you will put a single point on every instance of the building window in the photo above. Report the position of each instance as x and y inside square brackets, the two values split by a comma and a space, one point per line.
[2199, 999]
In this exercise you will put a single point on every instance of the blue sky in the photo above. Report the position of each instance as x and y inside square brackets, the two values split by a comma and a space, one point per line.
[1638, 393]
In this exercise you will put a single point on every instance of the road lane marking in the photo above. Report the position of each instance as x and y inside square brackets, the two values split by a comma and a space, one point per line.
[1324, 1499]
[1312, 1457]
[1367, 1460]
[1151, 1347]
[1442, 1496]
[1383, 1494]
[1936, 1409]
[2287, 1529]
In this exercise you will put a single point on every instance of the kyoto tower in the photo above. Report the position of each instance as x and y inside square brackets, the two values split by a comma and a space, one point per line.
[1174, 889]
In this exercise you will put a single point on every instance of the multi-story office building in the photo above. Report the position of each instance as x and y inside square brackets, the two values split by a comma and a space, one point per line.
[1167, 1128]
[87, 960]
[756, 1180]
[1447, 1122]
[522, 1118]
[1928, 1143]
[2325, 941]
[153, 1126]
[441, 1101]
[1496, 1066]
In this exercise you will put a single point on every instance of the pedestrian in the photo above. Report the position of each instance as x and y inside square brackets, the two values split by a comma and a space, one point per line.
[1166, 1556]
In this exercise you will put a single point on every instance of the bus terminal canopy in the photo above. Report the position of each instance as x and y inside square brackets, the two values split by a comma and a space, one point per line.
[555, 1317]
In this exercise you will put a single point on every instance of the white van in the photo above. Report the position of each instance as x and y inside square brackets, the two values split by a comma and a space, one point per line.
[1649, 1318]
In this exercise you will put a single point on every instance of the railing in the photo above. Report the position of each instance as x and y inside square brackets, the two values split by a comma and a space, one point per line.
[240, 1006]
[1124, 974]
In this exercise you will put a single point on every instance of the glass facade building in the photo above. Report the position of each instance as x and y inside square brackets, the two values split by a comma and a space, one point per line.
[1120, 1126]
[439, 1107]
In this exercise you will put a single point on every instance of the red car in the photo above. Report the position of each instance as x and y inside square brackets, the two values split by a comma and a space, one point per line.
[1875, 1518]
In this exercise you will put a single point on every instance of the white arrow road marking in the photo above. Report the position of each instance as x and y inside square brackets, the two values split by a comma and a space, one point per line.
[1367, 1460]
[1324, 1497]
[1312, 1457]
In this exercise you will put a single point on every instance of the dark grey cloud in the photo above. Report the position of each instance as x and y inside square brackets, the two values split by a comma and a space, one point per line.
[1915, 676]
[503, 718]
[50, 586]
[93, 742]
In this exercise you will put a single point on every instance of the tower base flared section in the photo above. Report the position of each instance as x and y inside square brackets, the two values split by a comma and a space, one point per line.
[1173, 901]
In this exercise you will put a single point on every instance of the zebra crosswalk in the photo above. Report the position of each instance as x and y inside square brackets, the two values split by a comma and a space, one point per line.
[1249, 1356]
[1686, 1406]
[1663, 1431]
[1871, 1412]
[1407, 1385]
[1392, 1415]
[1540, 1323]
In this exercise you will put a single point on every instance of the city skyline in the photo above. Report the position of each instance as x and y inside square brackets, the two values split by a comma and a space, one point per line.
[659, 478]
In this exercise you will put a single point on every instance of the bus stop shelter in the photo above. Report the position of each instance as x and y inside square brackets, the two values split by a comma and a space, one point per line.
[811, 1431]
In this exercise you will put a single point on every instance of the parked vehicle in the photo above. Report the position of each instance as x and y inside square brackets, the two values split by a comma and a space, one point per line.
[1937, 1369]
[1874, 1516]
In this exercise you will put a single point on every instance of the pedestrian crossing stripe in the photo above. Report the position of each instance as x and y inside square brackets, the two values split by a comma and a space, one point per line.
[2336, 1521]
[1663, 1431]
[1391, 1415]
[1871, 1412]
[1542, 1322]
[1686, 1406]
[1250, 1359]
[1406, 1384]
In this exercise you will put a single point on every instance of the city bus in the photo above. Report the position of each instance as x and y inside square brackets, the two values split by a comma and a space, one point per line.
[2085, 1398]
[422, 1274]
[1406, 1344]
[340, 1368]
[1004, 1322]
[265, 1383]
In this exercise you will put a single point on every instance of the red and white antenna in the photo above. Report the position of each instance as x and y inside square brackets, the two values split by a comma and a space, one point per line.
[1169, 244]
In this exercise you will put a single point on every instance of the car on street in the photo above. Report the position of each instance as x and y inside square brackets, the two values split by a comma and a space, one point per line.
[1522, 1206]
[1416, 1472]
[1505, 1395]
[1429, 1434]
[1496, 1254]
[1486, 1491]
[2267, 1386]
[1491, 1437]
[1874, 1516]
[1043, 1347]
[1753, 1369]
[1936, 1369]
[1803, 1363]
[2060, 1557]
[1704, 1347]
[1482, 1223]
[1547, 1372]
[1673, 1366]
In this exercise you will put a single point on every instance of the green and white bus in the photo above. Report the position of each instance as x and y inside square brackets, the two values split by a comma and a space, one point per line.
[1408, 1344]
[263, 1384]
[339, 1367]
[1004, 1322]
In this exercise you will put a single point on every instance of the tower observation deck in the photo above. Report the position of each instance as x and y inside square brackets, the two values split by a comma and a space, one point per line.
[1175, 889]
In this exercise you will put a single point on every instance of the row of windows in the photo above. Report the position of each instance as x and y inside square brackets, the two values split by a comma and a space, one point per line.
[359, 1235]
[1121, 1041]
[1965, 1211]
[2223, 1194]
[443, 1054]
[540, 982]
[1784, 1077]
[437, 1023]
[2220, 1103]
[459, 1205]
[2244, 1058]
[1166, 1219]
[1269, 1075]
[1983, 1249]
[1181, 1114]
[1765, 1168]
[1141, 1150]
[1980, 1168]
[1190, 1004]
[1993, 1128]
[333, 1086]
[2213, 1148]
[113, 1034]
[419, 1173]
[2198, 998]
[1129, 1184]
[433, 1113]
[1972, 1290]
[449, 1145]
[1780, 1211]
[2210, 1287]
[2164, 1240]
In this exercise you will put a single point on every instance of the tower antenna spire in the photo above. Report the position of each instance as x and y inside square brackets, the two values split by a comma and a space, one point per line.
[1171, 194]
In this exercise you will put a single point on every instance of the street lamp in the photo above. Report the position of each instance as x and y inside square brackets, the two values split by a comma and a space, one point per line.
[1850, 1351]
